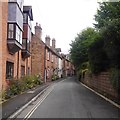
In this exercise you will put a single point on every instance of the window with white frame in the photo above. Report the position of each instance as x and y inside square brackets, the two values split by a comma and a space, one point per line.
[11, 31]
[48, 55]
[18, 35]
[14, 32]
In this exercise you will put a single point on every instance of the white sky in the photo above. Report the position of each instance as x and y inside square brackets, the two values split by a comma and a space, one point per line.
[63, 19]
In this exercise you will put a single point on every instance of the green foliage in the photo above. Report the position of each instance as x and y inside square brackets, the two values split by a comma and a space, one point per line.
[55, 77]
[111, 37]
[85, 65]
[108, 23]
[102, 48]
[79, 47]
[21, 85]
[84, 68]
[97, 57]
[107, 12]
[115, 78]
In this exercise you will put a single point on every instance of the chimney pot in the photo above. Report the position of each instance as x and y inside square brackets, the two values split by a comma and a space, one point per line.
[47, 40]
[38, 31]
[53, 43]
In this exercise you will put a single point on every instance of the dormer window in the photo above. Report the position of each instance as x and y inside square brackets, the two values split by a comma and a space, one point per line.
[25, 18]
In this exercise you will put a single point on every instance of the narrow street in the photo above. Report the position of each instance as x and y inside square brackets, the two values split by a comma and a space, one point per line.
[69, 99]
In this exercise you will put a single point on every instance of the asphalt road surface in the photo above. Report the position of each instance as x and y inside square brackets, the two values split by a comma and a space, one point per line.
[69, 99]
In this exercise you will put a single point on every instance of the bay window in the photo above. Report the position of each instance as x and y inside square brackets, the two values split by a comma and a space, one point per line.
[18, 35]
[14, 32]
[11, 31]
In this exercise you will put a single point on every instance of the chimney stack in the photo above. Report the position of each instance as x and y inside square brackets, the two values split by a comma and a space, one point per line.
[47, 40]
[53, 43]
[38, 30]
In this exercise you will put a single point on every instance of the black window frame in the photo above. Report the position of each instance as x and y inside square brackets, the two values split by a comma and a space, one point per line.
[22, 71]
[25, 44]
[14, 32]
[9, 70]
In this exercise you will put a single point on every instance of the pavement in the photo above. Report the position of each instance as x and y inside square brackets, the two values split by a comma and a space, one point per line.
[15, 103]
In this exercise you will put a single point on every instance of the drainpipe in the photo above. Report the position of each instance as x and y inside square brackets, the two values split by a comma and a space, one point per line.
[18, 65]
[45, 64]
[27, 66]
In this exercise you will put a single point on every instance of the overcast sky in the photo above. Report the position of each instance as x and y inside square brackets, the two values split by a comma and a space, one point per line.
[63, 19]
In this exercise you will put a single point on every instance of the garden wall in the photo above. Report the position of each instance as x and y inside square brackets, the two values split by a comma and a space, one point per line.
[102, 84]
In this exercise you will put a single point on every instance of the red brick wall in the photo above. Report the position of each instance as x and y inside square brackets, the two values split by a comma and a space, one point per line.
[6, 56]
[50, 65]
[102, 84]
[3, 44]
[25, 32]
[37, 56]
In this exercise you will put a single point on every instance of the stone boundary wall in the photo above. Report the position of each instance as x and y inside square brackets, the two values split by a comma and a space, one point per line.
[102, 84]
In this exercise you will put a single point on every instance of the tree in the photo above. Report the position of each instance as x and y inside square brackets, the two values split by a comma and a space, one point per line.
[106, 13]
[79, 47]
[111, 37]
[108, 23]
[98, 58]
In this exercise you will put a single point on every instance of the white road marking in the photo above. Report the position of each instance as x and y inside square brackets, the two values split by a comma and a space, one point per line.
[22, 108]
[38, 104]
[14, 115]
[30, 91]
[113, 103]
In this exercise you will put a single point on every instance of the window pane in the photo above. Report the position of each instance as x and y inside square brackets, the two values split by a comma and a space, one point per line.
[48, 55]
[24, 44]
[24, 18]
[29, 39]
[28, 45]
[9, 70]
[18, 35]
[28, 71]
[10, 30]
[22, 71]
[52, 58]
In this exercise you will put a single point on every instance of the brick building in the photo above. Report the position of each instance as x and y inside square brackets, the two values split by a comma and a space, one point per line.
[16, 54]
[3, 38]
[38, 53]
[52, 65]
[45, 58]
[67, 66]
